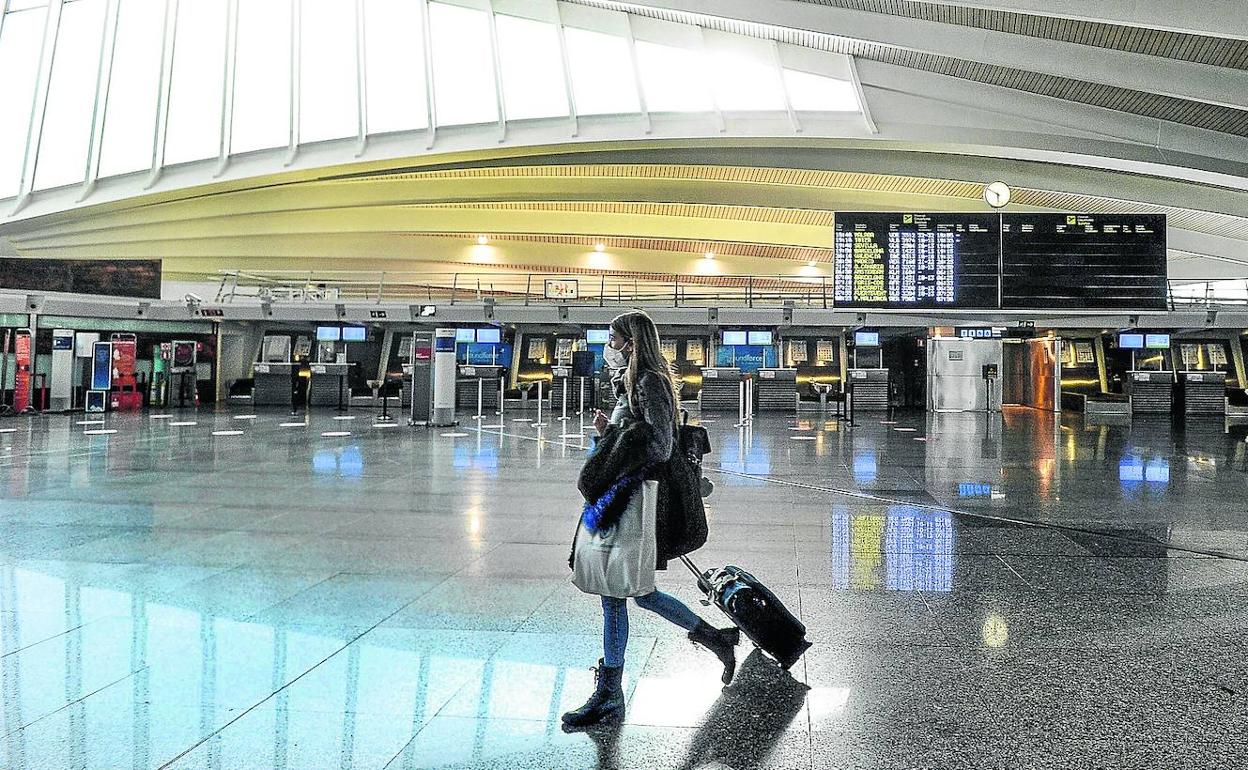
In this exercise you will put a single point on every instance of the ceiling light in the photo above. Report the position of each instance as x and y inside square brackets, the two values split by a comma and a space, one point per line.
[482, 240]
[600, 247]
[709, 255]
[812, 263]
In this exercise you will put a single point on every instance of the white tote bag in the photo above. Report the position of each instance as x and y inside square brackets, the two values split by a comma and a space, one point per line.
[619, 561]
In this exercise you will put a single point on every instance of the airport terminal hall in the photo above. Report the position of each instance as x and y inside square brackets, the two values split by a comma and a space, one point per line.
[623, 384]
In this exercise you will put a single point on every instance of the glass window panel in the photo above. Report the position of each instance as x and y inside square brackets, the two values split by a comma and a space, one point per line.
[262, 76]
[602, 73]
[462, 67]
[130, 116]
[21, 5]
[20, 42]
[71, 96]
[743, 82]
[394, 53]
[816, 92]
[327, 77]
[532, 68]
[672, 78]
[194, 129]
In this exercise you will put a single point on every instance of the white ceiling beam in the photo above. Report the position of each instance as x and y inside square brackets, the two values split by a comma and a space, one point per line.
[1121, 69]
[1214, 18]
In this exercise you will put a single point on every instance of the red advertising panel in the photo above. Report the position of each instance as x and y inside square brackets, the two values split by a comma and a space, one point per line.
[125, 391]
[21, 382]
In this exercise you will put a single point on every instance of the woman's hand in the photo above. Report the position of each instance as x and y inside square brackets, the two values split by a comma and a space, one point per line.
[600, 421]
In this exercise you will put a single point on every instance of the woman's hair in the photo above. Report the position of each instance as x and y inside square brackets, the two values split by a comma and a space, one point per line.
[647, 356]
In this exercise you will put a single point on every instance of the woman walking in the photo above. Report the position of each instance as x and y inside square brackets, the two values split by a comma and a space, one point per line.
[636, 445]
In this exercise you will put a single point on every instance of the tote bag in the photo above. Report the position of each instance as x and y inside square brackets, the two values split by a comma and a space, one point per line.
[619, 561]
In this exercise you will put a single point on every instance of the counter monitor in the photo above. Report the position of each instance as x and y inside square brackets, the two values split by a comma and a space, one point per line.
[1157, 341]
[490, 335]
[735, 338]
[1131, 341]
[354, 334]
[866, 339]
[328, 334]
[759, 338]
[597, 336]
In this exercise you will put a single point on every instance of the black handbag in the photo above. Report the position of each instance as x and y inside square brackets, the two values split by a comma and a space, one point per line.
[685, 529]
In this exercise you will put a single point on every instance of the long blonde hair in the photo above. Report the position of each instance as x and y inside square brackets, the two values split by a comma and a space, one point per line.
[647, 356]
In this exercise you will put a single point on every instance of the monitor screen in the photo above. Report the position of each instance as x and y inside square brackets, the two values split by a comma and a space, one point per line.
[759, 338]
[887, 260]
[597, 336]
[1131, 341]
[735, 338]
[354, 334]
[867, 339]
[1157, 341]
[1083, 261]
[465, 335]
[490, 335]
[328, 334]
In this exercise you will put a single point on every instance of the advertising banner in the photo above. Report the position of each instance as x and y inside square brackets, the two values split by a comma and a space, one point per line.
[21, 381]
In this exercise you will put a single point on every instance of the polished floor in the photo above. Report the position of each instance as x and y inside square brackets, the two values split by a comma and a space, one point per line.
[229, 590]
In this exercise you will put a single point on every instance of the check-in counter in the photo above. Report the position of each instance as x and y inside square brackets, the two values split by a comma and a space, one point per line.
[1151, 392]
[721, 389]
[478, 384]
[1203, 392]
[328, 386]
[869, 389]
[777, 390]
[272, 384]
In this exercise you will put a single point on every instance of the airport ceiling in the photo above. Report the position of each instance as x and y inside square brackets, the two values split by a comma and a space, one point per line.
[1110, 107]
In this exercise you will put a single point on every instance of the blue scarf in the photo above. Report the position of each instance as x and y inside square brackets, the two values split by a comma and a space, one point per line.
[604, 512]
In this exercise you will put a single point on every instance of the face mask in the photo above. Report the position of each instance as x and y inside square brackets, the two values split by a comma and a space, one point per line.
[614, 358]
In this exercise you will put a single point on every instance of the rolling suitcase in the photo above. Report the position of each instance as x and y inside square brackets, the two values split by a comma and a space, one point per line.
[754, 609]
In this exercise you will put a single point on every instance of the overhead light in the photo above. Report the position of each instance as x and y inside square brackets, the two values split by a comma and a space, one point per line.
[600, 246]
[709, 255]
[812, 263]
[482, 240]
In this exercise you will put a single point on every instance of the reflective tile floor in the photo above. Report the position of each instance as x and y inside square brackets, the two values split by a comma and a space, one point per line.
[202, 591]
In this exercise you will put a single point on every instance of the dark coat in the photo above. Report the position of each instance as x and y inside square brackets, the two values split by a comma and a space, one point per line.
[680, 522]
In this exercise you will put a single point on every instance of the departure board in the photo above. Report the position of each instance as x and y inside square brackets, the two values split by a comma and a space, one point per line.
[1093, 261]
[916, 260]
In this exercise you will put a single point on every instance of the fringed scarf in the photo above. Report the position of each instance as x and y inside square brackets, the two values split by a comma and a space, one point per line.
[606, 511]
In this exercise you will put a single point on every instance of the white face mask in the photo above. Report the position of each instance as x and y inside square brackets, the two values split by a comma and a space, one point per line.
[614, 358]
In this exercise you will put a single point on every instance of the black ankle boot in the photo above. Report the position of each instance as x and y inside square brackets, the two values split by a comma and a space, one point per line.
[720, 641]
[607, 699]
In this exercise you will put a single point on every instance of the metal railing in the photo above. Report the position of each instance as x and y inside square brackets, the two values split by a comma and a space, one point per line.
[604, 290]
[527, 288]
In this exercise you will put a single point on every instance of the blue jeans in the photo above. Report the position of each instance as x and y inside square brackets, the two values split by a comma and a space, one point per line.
[615, 621]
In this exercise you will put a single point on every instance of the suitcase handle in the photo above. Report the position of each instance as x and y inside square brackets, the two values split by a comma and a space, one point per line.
[702, 584]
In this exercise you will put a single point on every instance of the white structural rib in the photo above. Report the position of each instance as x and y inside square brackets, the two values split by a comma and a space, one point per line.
[103, 81]
[1122, 69]
[43, 81]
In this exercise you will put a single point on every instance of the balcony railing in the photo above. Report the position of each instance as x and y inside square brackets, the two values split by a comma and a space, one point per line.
[813, 291]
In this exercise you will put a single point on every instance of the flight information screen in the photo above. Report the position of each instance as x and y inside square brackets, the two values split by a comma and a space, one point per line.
[1114, 261]
[916, 260]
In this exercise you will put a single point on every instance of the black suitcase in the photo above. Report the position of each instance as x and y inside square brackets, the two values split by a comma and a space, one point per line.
[754, 609]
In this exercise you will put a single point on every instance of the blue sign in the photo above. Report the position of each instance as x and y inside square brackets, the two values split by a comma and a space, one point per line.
[101, 366]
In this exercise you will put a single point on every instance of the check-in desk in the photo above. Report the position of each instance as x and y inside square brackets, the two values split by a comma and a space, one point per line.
[868, 389]
[478, 384]
[1203, 392]
[721, 389]
[272, 384]
[328, 386]
[777, 390]
[1151, 392]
